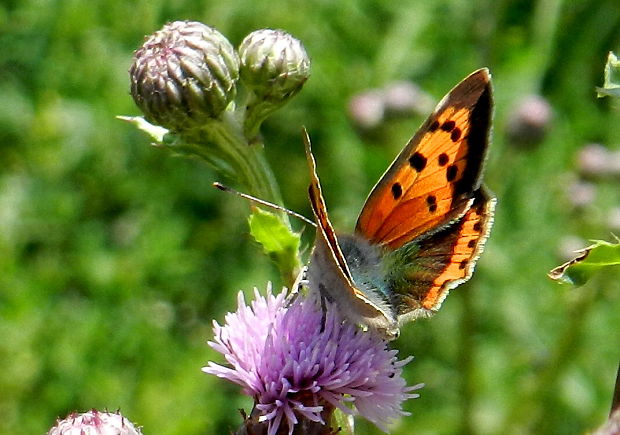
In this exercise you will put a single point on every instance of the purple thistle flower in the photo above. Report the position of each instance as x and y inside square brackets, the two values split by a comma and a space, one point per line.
[295, 371]
[94, 423]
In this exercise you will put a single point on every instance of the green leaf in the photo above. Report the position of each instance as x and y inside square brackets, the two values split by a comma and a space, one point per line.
[344, 422]
[278, 240]
[588, 261]
[156, 132]
[610, 88]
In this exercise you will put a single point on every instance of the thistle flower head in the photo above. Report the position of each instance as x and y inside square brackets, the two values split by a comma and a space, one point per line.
[94, 423]
[184, 75]
[298, 370]
[274, 65]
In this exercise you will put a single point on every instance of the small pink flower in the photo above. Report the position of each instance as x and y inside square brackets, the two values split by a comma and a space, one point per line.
[94, 423]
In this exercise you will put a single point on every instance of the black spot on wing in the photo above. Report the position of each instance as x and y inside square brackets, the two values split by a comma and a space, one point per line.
[431, 201]
[397, 190]
[452, 172]
[448, 125]
[455, 135]
[417, 161]
[476, 142]
[443, 159]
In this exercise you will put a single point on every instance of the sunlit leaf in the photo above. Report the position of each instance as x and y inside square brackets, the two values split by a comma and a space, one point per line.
[610, 88]
[156, 132]
[344, 422]
[277, 239]
[589, 260]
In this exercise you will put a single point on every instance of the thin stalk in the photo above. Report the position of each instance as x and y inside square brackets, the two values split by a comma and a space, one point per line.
[466, 361]
[247, 158]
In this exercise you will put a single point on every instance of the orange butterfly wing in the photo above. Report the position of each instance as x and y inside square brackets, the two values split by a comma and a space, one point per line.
[432, 181]
[443, 260]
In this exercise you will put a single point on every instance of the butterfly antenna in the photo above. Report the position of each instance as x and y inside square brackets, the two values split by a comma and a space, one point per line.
[263, 202]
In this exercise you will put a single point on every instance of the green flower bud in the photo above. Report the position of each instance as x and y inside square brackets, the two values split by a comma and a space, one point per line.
[184, 75]
[274, 65]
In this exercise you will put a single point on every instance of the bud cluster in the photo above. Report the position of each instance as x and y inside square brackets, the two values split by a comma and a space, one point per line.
[187, 74]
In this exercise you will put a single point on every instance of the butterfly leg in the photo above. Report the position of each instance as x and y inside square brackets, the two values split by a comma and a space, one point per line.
[323, 313]
[324, 297]
[300, 281]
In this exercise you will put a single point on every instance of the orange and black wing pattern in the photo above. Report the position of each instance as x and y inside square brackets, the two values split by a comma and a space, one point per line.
[433, 181]
[433, 265]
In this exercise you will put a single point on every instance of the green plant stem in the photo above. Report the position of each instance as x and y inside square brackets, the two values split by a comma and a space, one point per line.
[247, 159]
[257, 112]
[222, 144]
[466, 360]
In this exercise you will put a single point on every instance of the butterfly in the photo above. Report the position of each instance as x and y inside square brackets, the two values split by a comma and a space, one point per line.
[423, 225]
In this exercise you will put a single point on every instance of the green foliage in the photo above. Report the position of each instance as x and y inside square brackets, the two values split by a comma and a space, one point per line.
[277, 240]
[610, 87]
[595, 258]
[116, 257]
[343, 422]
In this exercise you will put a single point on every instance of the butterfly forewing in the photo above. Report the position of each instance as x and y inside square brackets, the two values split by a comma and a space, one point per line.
[325, 229]
[432, 181]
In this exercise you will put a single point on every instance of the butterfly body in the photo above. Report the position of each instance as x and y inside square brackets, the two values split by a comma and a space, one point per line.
[423, 225]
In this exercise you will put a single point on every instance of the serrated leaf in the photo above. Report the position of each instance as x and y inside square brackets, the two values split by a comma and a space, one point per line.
[589, 260]
[278, 241]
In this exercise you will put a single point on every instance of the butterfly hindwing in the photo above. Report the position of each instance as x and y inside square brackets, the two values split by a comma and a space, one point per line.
[432, 181]
[427, 268]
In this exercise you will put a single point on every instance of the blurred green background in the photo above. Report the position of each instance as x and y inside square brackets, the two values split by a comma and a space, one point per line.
[116, 256]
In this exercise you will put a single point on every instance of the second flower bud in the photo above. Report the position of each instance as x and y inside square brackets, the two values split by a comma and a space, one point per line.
[274, 65]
